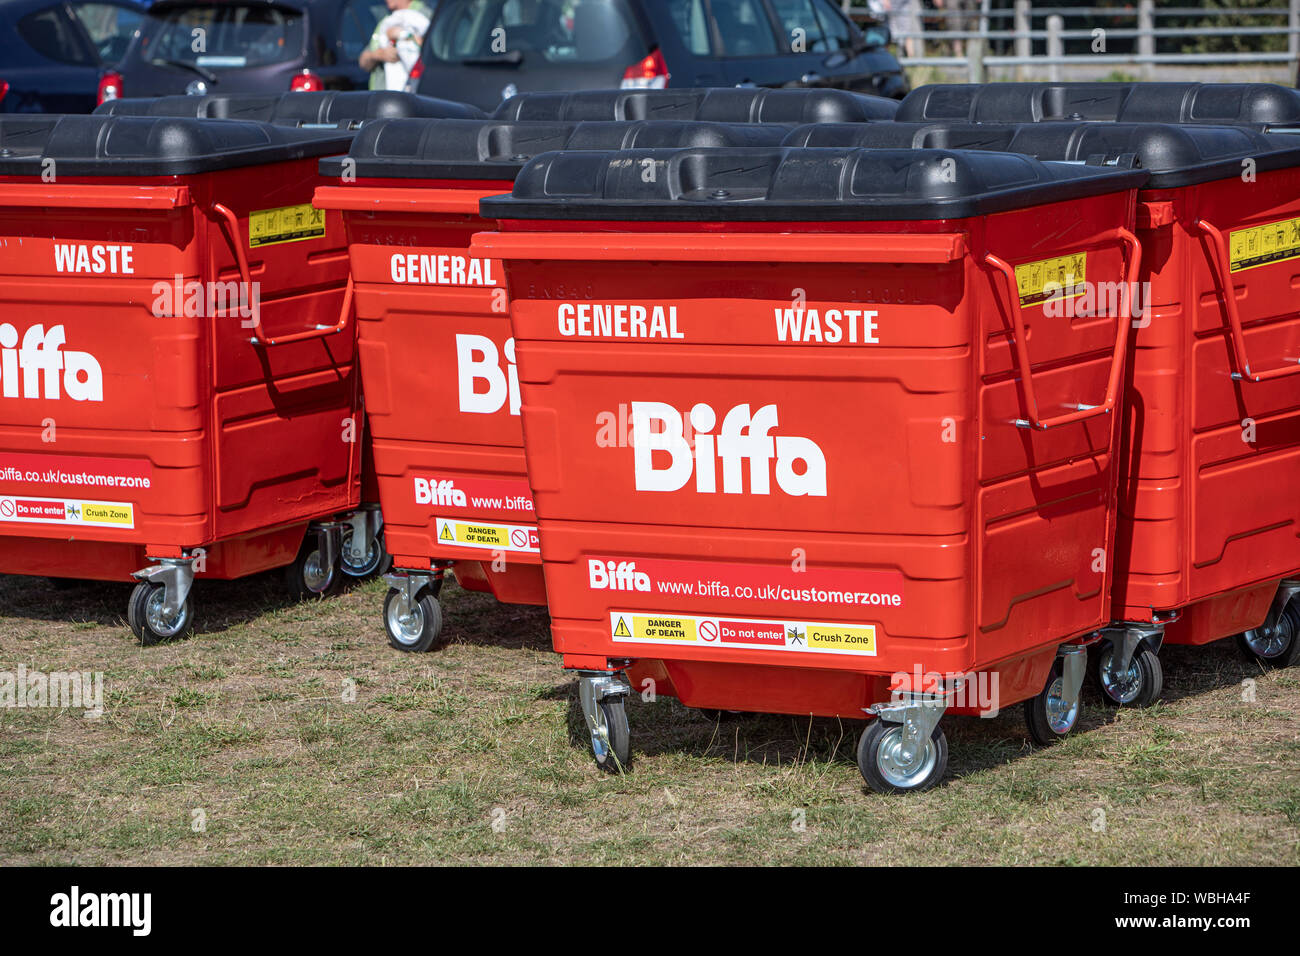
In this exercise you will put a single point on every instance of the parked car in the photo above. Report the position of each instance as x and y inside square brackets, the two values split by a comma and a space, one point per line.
[484, 51]
[247, 46]
[53, 51]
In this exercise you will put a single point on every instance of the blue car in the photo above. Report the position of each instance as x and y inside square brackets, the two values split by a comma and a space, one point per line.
[53, 52]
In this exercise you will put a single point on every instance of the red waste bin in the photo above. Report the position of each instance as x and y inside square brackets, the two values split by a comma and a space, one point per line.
[363, 551]
[710, 104]
[1208, 505]
[177, 379]
[791, 445]
[1261, 105]
[437, 357]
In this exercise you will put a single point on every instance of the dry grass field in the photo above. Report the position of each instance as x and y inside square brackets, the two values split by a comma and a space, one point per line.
[476, 754]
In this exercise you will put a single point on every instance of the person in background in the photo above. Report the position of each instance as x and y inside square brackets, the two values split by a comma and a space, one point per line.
[904, 17]
[395, 45]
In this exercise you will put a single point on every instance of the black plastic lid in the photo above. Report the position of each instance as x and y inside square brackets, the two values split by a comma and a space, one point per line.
[724, 105]
[1173, 155]
[152, 145]
[334, 108]
[1230, 104]
[498, 149]
[791, 184]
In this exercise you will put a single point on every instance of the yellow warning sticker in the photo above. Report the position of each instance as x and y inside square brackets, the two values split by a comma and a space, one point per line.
[267, 227]
[1264, 245]
[509, 537]
[93, 513]
[646, 628]
[842, 637]
[1060, 278]
[633, 627]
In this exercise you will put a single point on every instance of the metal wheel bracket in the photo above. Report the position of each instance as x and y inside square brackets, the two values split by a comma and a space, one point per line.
[918, 714]
[407, 584]
[1127, 639]
[594, 687]
[1074, 664]
[176, 575]
[329, 534]
[365, 524]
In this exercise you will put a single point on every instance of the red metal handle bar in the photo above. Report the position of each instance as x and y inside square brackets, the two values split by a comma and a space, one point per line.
[232, 239]
[721, 247]
[32, 195]
[1220, 254]
[1134, 258]
[384, 199]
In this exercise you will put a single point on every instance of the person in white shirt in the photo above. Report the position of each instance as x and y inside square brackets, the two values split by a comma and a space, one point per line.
[395, 45]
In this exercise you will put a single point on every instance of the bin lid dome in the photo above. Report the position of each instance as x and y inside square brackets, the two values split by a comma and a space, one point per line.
[151, 145]
[721, 105]
[1173, 155]
[1250, 104]
[794, 184]
[498, 149]
[350, 107]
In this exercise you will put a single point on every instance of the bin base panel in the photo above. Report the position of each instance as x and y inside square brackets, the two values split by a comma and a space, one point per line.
[1222, 616]
[517, 584]
[756, 688]
[109, 561]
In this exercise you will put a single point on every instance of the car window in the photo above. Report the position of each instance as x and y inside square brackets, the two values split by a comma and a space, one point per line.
[223, 37]
[560, 31]
[692, 25]
[109, 26]
[803, 31]
[744, 28]
[836, 29]
[51, 34]
[357, 25]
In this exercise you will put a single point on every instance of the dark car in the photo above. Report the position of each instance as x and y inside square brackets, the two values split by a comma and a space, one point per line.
[248, 46]
[483, 51]
[52, 52]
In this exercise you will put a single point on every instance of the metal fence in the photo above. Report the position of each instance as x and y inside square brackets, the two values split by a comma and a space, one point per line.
[1038, 35]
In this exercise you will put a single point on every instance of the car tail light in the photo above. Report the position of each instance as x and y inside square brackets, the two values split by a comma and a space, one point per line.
[110, 86]
[649, 74]
[4, 88]
[413, 80]
[306, 82]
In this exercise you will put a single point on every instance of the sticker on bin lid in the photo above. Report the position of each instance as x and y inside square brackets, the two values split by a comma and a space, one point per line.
[1060, 277]
[268, 227]
[638, 627]
[67, 511]
[490, 535]
[1264, 245]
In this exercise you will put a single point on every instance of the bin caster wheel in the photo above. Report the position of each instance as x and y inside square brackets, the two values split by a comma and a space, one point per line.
[149, 621]
[1139, 687]
[377, 559]
[307, 577]
[414, 629]
[614, 757]
[887, 769]
[1277, 647]
[1049, 716]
